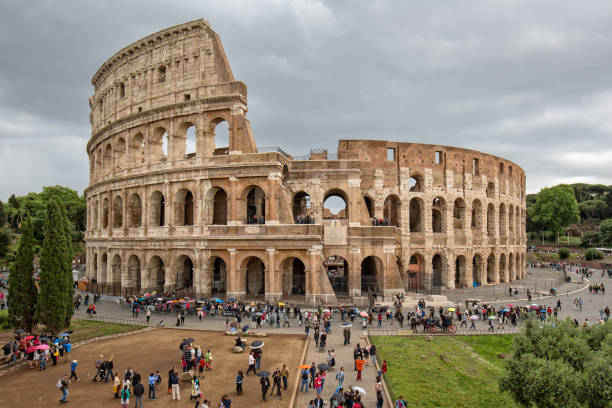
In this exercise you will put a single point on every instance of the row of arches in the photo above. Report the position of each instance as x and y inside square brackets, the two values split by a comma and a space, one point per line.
[156, 145]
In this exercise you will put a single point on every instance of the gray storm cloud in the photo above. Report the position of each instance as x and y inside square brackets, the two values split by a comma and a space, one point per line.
[524, 80]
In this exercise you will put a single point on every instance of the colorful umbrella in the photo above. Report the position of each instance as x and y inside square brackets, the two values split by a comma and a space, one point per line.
[43, 347]
[361, 390]
[31, 349]
[363, 314]
[451, 309]
[474, 317]
[346, 325]
[303, 366]
[492, 317]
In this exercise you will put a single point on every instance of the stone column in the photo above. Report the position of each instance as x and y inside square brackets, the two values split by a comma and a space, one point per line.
[354, 194]
[111, 215]
[231, 276]
[233, 200]
[273, 284]
[354, 273]
[271, 214]
[311, 278]
[124, 219]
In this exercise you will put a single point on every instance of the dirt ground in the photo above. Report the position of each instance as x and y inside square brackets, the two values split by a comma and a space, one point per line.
[147, 352]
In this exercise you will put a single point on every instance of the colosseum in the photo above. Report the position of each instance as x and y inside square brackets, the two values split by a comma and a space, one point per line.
[181, 199]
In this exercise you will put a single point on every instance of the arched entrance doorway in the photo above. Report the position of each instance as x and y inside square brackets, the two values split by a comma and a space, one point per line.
[460, 271]
[184, 277]
[371, 275]
[157, 274]
[477, 270]
[133, 273]
[219, 276]
[415, 273]
[294, 276]
[255, 206]
[491, 269]
[255, 277]
[438, 265]
[337, 269]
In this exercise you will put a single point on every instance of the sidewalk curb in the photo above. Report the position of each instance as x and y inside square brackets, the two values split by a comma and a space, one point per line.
[297, 377]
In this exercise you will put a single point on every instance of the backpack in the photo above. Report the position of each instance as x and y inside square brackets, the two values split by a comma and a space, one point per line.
[59, 383]
[400, 404]
[304, 375]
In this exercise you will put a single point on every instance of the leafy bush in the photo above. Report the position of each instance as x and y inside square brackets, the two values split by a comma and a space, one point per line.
[564, 253]
[590, 238]
[4, 320]
[592, 254]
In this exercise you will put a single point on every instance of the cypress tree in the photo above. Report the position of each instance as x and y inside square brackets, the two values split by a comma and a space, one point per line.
[23, 294]
[52, 297]
[68, 278]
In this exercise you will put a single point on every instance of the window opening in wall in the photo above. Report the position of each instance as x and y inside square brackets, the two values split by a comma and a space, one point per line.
[501, 168]
[190, 147]
[302, 211]
[187, 97]
[122, 90]
[438, 157]
[162, 74]
[335, 207]
[475, 167]
[140, 109]
[165, 144]
[221, 135]
[390, 154]
[510, 170]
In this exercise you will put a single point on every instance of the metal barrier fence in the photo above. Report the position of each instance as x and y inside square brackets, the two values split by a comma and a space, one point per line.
[105, 319]
[115, 289]
[408, 332]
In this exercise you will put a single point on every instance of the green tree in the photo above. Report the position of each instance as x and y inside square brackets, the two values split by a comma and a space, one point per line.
[2, 214]
[590, 209]
[67, 276]
[551, 366]
[52, 297]
[605, 229]
[555, 208]
[590, 238]
[13, 202]
[23, 294]
[608, 200]
[5, 242]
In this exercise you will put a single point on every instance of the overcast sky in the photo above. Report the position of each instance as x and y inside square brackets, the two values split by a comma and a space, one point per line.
[529, 81]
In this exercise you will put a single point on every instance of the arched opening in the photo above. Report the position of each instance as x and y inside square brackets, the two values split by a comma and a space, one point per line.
[105, 213]
[116, 269]
[164, 145]
[517, 221]
[477, 270]
[157, 147]
[476, 214]
[221, 134]
[255, 277]
[337, 269]
[99, 165]
[135, 211]
[94, 224]
[335, 205]
[416, 215]
[491, 190]
[157, 216]
[219, 276]
[392, 210]
[369, 202]
[511, 270]
[438, 215]
[133, 279]
[491, 278]
[511, 220]
[137, 149]
[117, 212]
[490, 220]
[371, 276]
[157, 274]
[190, 143]
[184, 276]
[302, 209]
[460, 271]
[294, 276]
[459, 214]
[220, 208]
[184, 207]
[416, 183]
[502, 220]
[502, 268]
[108, 159]
[103, 277]
[438, 265]
[255, 206]
[416, 269]
[120, 154]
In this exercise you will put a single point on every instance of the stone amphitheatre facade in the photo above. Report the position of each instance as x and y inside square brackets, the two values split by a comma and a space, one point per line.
[172, 207]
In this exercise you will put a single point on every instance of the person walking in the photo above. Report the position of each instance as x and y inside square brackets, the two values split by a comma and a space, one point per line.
[304, 375]
[251, 364]
[359, 364]
[148, 315]
[152, 381]
[239, 380]
[125, 396]
[265, 384]
[68, 349]
[174, 382]
[73, 367]
[373, 354]
[117, 386]
[347, 335]
[63, 386]
[340, 376]
[318, 385]
[138, 394]
[285, 376]
[276, 383]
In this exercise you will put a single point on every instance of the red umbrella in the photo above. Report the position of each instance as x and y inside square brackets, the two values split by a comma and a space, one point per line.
[29, 337]
[31, 349]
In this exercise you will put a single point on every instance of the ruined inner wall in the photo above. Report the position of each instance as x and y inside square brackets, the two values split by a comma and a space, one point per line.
[211, 219]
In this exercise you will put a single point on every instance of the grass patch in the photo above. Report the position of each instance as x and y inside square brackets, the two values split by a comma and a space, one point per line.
[87, 329]
[446, 371]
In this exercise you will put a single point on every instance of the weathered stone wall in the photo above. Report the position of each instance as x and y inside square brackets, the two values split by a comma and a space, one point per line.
[168, 212]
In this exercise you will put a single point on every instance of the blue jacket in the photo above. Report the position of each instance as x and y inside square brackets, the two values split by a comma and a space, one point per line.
[73, 366]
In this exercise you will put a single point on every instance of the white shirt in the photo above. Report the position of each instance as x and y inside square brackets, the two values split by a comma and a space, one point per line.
[251, 359]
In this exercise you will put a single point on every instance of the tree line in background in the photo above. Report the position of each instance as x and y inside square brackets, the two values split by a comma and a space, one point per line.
[12, 214]
[51, 303]
[581, 209]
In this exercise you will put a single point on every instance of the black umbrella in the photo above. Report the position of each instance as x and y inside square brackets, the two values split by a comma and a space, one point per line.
[189, 340]
[346, 325]
[263, 374]
[69, 331]
[18, 331]
[257, 344]
[323, 367]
